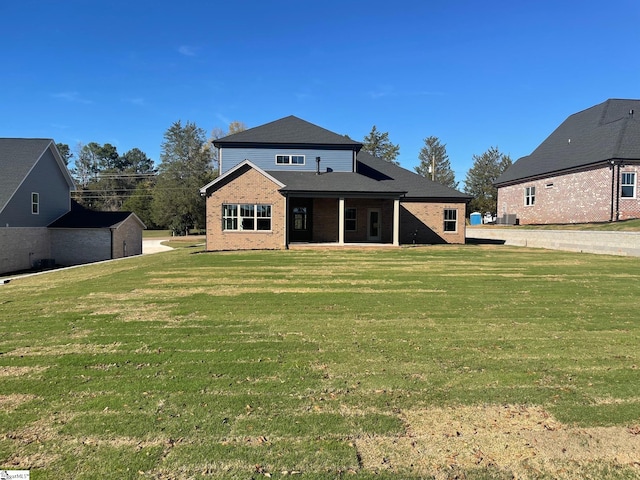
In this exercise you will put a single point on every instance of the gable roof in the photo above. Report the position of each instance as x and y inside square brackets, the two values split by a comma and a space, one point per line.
[18, 156]
[81, 217]
[240, 168]
[604, 132]
[291, 131]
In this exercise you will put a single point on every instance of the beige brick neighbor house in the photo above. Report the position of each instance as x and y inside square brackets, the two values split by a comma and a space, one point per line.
[585, 171]
[291, 182]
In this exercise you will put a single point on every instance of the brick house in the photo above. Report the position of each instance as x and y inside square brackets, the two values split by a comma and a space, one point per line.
[40, 226]
[585, 171]
[291, 182]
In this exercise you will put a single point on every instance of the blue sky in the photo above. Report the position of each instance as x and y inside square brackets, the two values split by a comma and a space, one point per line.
[476, 74]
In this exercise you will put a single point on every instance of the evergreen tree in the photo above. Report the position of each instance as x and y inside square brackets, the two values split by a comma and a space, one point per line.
[379, 145]
[480, 179]
[185, 166]
[434, 155]
[65, 152]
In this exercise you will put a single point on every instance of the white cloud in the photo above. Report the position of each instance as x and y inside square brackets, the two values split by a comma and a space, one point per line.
[71, 97]
[187, 51]
[135, 101]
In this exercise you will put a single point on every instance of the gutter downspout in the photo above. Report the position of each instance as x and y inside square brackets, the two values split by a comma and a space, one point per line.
[612, 166]
[618, 192]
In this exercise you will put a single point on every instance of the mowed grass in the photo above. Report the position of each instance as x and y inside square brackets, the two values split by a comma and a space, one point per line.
[433, 362]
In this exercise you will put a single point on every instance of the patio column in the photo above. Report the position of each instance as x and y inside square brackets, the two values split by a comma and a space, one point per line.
[396, 222]
[341, 221]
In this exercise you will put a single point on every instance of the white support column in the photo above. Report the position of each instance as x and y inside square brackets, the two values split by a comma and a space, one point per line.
[341, 221]
[396, 222]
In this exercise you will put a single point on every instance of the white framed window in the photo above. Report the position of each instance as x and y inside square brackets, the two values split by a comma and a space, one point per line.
[529, 196]
[35, 203]
[628, 185]
[246, 216]
[350, 219]
[450, 220]
[290, 159]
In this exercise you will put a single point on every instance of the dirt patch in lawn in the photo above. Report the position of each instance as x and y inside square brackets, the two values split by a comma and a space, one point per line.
[525, 441]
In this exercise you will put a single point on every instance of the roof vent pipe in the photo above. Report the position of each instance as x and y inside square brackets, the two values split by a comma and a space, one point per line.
[317, 165]
[631, 112]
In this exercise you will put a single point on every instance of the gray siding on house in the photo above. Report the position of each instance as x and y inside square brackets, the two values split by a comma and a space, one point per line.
[47, 180]
[265, 158]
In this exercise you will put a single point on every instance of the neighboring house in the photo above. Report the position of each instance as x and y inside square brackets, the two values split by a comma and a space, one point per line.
[290, 182]
[585, 171]
[35, 192]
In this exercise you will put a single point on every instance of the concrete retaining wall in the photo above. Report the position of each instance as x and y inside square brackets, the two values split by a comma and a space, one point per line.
[610, 243]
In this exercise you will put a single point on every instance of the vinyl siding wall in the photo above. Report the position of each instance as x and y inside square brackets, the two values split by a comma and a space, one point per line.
[265, 158]
[47, 180]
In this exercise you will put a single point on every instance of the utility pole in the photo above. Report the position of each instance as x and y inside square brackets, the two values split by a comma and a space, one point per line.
[433, 168]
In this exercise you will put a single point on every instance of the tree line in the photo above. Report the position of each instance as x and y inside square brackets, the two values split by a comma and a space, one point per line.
[435, 164]
[164, 197]
[167, 196]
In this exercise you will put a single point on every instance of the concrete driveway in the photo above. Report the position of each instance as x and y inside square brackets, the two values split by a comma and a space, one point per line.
[154, 245]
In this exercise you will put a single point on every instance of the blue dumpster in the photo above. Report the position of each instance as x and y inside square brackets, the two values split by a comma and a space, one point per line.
[475, 218]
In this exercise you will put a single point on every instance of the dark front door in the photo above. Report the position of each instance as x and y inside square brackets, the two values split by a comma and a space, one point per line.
[300, 215]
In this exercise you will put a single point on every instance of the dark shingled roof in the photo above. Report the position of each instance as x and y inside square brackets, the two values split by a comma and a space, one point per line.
[80, 217]
[17, 157]
[334, 183]
[288, 131]
[373, 176]
[399, 178]
[604, 132]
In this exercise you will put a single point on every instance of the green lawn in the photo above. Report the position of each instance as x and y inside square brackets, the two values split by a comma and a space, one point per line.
[471, 362]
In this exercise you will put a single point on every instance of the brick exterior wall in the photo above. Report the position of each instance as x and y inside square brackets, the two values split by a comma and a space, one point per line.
[362, 206]
[20, 247]
[75, 246]
[130, 231]
[423, 222]
[247, 186]
[251, 187]
[581, 197]
[630, 207]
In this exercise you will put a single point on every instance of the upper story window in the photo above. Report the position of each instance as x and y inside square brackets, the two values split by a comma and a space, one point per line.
[290, 159]
[35, 203]
[628, 185]
[450, 220]
[530, 196]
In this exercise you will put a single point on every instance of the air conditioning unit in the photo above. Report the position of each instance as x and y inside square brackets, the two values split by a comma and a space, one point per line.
[44, 263]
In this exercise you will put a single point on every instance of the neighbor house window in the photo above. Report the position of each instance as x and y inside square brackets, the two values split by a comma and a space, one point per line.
[350, 224]
[290, 159]
[450, 220]
[628, 185]
[35, 203]
[529, 196]
[246, 216]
